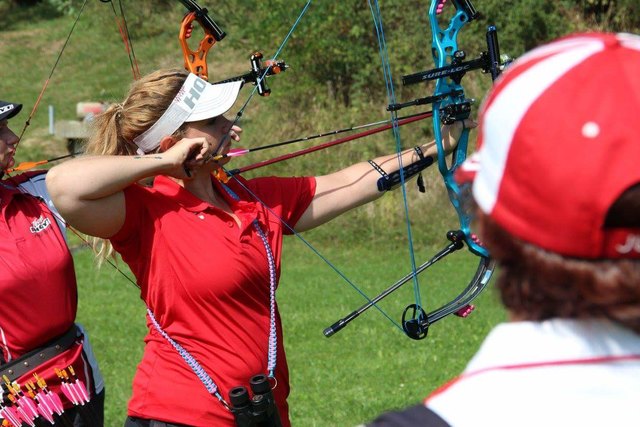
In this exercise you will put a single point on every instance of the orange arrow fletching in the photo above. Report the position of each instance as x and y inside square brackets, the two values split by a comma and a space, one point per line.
[24, 166]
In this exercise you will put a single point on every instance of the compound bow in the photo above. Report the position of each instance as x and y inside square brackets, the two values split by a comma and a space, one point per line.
[449, 104]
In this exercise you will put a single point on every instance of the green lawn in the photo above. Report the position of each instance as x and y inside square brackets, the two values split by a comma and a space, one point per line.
[369, 367]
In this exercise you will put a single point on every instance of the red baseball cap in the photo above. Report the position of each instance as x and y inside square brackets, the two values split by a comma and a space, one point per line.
[559, 142]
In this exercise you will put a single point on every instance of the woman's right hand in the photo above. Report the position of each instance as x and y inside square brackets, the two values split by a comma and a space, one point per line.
[186, 155]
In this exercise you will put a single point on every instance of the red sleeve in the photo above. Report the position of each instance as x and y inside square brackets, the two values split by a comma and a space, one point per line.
[289, 196]
[127, 239]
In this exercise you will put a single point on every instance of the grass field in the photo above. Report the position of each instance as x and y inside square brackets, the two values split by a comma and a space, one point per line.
[368, 367]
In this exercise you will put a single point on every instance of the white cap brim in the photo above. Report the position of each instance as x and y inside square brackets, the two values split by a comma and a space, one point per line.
[196, 100]
[215, 101]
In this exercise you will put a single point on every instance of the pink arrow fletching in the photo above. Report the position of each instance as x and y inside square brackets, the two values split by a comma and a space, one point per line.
[69, 394]
[12, 415]
[28, 406]
[45, 412]
[82, 391]
[234, 152]
[55, 402]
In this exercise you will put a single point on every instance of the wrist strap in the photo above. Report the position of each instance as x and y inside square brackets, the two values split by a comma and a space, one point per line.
[378, 169]
[420, 180]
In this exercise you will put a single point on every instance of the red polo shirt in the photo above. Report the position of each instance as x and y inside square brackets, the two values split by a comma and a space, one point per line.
[207, 281]
[37, 283]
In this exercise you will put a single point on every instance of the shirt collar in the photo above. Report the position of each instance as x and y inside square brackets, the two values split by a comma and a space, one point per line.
[554, 339]
[170, 188]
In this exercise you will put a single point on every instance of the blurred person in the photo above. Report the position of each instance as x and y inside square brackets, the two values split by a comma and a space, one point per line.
[557, 187]
[39, 295]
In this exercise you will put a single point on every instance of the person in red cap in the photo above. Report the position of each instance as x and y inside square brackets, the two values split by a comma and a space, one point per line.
[557, 186]
[205, 252]
[38, 337]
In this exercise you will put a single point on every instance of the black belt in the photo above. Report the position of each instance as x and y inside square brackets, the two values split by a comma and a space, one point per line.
[17, 368]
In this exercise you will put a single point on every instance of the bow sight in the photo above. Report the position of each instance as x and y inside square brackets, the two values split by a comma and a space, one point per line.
[196, 60]
[488, 62]
[258, 73]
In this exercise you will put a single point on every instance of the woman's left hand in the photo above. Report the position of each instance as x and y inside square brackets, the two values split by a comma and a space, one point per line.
[451, 133]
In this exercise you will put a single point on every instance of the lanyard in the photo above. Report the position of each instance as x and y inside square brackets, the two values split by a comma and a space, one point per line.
[197, 369]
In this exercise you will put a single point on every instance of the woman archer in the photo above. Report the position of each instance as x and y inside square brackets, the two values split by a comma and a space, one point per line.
[205, 254]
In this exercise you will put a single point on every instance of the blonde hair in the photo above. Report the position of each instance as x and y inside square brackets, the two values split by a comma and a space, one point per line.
[115, 129]
[148, 98]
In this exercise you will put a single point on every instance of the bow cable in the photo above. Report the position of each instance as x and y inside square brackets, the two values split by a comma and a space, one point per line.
[121, 22]
[55, 65]
[386, 67]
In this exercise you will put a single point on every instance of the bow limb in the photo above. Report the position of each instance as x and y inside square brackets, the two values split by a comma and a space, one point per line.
[453, 106]
[196, 60]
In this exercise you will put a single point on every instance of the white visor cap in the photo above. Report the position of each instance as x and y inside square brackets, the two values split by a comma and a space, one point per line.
[196, 100]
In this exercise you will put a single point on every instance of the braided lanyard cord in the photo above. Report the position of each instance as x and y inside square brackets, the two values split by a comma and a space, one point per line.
[197, 369]
[273, 338]
[195, 366]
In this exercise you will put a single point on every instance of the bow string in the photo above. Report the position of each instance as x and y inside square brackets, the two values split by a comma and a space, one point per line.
[450, 104]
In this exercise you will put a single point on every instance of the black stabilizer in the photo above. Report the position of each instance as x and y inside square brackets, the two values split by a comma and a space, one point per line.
[493, 51]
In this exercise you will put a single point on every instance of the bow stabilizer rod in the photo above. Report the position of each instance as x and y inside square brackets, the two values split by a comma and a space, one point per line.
[457, 242]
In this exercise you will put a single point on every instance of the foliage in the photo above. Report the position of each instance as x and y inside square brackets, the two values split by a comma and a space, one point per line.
[336, 47]
[14, 13]
[335, 43]
[615, 15]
